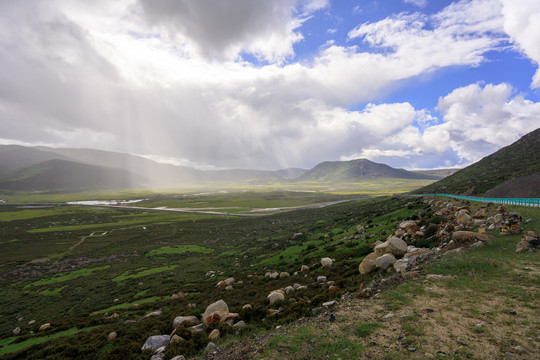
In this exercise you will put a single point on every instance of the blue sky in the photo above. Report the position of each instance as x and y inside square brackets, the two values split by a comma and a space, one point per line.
[272, 84]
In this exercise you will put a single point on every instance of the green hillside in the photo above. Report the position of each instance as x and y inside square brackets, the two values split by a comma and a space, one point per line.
[518, 159]
[61, 175]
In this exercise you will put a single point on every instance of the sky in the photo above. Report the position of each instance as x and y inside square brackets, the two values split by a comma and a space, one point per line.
[269, 84]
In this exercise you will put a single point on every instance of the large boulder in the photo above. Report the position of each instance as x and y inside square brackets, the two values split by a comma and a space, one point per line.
[155, 342]
[187, 320]
[393, 245]
[219, 305]
[368, 264]
[385, 261]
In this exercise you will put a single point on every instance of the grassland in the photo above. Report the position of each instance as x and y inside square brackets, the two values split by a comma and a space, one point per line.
[133, 260]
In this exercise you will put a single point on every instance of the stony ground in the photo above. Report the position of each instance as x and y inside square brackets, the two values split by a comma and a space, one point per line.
[427, 317]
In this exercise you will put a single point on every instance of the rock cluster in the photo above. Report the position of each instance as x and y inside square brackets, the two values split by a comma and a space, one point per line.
[394, 252]
[529, 242]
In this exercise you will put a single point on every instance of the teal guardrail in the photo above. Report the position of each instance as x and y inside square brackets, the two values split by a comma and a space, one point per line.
[505, 201]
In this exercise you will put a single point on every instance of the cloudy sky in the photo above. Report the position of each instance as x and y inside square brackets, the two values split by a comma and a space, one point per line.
[272, 83]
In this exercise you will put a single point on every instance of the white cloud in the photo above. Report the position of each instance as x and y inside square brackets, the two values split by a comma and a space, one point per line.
[419, 3]
[78, 73]
[476, 121]
[522, 23]
[481, 120]
[460, 34]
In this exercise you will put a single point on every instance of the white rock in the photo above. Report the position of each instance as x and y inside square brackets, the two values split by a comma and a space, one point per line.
[326, 262]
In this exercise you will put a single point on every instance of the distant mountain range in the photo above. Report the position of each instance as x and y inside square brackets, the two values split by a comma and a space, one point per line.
[513, 171]
[63, 169]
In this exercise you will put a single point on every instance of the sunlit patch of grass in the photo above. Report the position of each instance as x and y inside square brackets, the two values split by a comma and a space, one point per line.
[69, 276]
[131, 275]
[8, 345]
[129, 304]
[180, 249]
[52, 292]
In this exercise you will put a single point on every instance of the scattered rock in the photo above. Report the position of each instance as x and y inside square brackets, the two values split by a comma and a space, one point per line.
[228, 288]
[462, 342]
[462, 217]
[16, 331]
[329, 303]
[31, 322]
[175, 338]
[239, 325]
[197, 328]
[219, 305]
[112, 336]
[284, 274]
[388, 316]
[44, 327]
[214, 335]
[477, 244]
[304, 268]
[187, 320]
[210, 346]
[153, 313]
[326, 262]
[275, 296]
[179, 357]
[274, 275]
[321, 279]
[156, 341]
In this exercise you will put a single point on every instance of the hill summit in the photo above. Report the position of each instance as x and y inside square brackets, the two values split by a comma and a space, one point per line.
[343, 171]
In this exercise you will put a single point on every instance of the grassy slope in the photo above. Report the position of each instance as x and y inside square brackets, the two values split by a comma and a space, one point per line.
[466, 313]
[266, 243]
[518, 159]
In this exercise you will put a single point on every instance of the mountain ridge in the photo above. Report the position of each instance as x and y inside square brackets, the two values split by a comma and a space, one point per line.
[517, 160]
